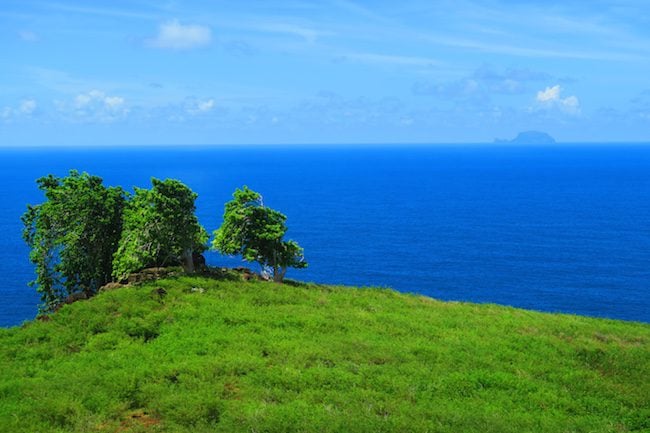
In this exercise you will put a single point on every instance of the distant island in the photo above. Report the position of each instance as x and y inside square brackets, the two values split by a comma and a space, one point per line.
[528, 137]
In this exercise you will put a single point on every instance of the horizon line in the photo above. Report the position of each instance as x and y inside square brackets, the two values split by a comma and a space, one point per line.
[319, 144]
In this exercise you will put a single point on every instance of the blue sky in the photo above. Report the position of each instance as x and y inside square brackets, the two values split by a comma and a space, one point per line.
[147, 72]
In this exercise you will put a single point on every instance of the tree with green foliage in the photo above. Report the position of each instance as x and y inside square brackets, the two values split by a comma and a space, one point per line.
[160, 229]
[256, 232]
[73, 236]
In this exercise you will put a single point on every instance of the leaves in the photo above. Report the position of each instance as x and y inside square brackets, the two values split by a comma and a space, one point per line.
[85, 234]
[160, 227]
[256, 233]
[73, 235]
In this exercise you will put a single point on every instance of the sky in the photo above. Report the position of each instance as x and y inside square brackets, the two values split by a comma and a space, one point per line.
[144, 72]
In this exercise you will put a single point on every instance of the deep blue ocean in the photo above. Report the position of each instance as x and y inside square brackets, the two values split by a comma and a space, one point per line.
[558, 228]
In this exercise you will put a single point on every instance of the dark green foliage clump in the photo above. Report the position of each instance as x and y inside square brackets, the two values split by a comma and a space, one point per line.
[85, 234]
[256, 232]
[160, 229]
[73, 236]
[204, 355]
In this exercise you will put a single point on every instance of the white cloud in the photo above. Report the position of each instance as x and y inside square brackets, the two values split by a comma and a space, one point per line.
[551, 97]
[113, 102]
[549, 94]
[206, 105]
[96, 98]
[95, 105]
[200, 107]
[176, 36]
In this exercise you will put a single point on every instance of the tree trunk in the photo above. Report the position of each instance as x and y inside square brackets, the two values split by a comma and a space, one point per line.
[188, 263]
[278, 274]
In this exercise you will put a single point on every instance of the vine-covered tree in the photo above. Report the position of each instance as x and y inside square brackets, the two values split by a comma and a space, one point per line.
[73, 236]
[256, 232]
[160, 229]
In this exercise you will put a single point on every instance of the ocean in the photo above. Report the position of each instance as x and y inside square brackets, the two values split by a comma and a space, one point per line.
[563, 228]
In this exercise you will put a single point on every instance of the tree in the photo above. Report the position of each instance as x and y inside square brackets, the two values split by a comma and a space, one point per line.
[73, 236]
[256, 232]
[160, 229]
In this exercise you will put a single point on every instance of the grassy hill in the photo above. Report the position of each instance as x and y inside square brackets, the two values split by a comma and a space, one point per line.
[229, 356]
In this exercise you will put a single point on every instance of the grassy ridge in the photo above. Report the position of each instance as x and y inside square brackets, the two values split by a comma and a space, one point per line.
[231, 356]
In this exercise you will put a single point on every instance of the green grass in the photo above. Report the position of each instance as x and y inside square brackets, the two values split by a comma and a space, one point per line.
[260, 357]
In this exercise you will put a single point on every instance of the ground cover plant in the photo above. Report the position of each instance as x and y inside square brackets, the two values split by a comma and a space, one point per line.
[199, 354]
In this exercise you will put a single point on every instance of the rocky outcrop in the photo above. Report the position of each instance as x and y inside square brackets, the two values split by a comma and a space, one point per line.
[111, 286]
[145, 275]
[151, 274]
[246, 274]
[199, 261]
[71, 299]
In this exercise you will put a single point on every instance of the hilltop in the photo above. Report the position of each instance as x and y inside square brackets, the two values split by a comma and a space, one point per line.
[200, 354]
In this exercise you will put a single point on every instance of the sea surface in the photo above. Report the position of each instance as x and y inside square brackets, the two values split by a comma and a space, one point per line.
[556, 228]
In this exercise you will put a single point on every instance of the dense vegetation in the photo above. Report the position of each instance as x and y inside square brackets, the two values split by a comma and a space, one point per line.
[85, 234]
[197, 354]
[73, 235]
[256, 232]
[160, 229]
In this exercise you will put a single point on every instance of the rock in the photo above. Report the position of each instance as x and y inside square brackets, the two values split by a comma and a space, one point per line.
[74, 297]
[246, 273]
[199, 261]
[242, 269]
[110, 286]
[151, 274]
[70, 299]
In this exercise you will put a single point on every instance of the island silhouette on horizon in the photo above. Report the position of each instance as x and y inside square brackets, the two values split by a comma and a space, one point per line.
[528, 137]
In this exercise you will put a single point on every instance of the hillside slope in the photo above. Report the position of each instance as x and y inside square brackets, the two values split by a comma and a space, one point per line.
[229, 356]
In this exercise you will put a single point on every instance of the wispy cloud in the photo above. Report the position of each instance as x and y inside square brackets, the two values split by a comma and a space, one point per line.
[388, 59]
[482, 83]
[519, 51]
[176, 36]
[504, 29]
[99, 11]
[308, 34]
[357, 9]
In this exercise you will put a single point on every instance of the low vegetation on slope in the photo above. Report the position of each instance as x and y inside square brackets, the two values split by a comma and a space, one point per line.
[195, 354]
